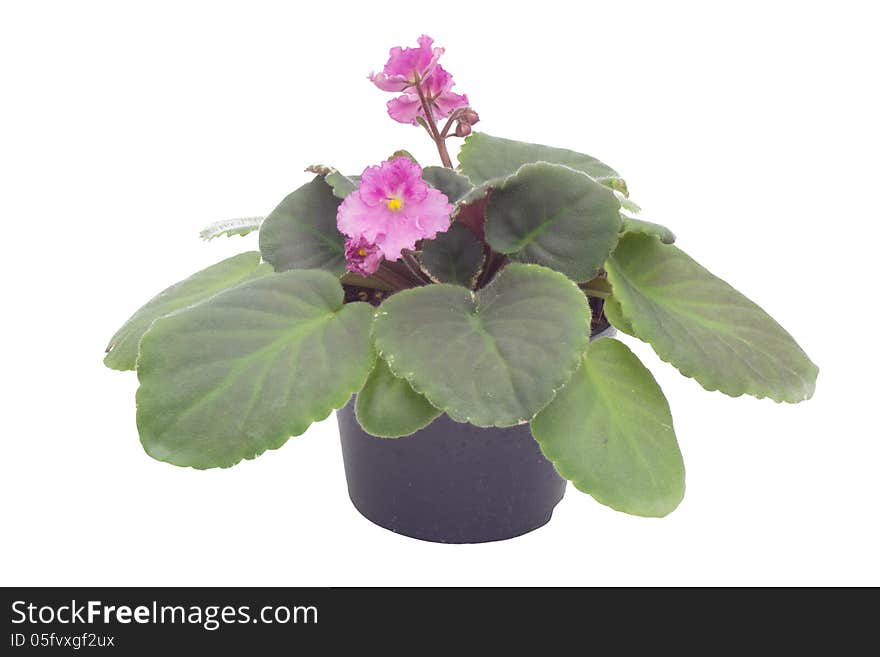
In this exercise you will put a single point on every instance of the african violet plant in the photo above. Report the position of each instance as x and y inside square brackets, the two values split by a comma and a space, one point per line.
[469, 291]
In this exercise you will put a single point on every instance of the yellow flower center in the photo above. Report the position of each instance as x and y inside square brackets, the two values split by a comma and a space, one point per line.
[395, 204]
[362, 252]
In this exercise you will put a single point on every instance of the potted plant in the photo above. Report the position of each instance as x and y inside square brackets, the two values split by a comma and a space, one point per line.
[446, 313]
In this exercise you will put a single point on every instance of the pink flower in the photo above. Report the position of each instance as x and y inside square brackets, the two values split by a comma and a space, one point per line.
[436, 88]
[393, 208]
[407, 67]
[362, 256]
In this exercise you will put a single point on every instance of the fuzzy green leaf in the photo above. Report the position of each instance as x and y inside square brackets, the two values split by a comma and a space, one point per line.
[301, 232]
[229, 227]
[631, 225]
[554, 216]
[455, 256]
[341, 185]
[452, 184]
[613, 313]
[402, 152]
[478, 194]
[609, 431]
[123, 346]
[240, 373]
[627, 204]
[388, 407]
[483, 158]
[703, 326]
[494, 357]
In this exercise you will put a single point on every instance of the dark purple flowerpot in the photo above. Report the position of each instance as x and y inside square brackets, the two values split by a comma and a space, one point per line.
[450, 482]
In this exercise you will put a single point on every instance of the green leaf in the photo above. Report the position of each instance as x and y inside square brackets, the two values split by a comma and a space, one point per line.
[388, 407]
[617, 184]
[455, 256]
[703, 326]
[341, 185]
[453, 184]
[484, 158]
[403, 153]
[123, 346]
[614, 314]
[627, 204]
[301, 232]
[230, 227]
[494, 357]
[238, 374]
[631, 225]
[552, 215]
[609, 431]
[478, 193]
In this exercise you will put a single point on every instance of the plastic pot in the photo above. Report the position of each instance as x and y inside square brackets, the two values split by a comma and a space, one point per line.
[450, 482]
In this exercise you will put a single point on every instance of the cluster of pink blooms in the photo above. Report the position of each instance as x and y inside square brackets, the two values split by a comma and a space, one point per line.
[412, 69]
[393, 208]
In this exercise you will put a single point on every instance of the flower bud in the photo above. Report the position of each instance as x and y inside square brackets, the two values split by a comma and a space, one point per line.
[462, 129]
[468, 116]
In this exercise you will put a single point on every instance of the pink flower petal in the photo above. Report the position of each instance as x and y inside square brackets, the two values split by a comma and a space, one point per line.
[362, 256]
[356, 218]
[428, 60]
[400, 178]
[421, 220]
[447, 102]
[407, 66]
[405, 108]
[431, 215]
[389, 82]
[439, 81]
[393, 208]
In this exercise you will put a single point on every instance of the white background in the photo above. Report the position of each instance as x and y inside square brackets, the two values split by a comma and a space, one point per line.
[751, 129]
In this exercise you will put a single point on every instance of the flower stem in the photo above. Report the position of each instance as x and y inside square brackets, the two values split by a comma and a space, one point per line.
[439, 140]
[452, 118]
[444, 154]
